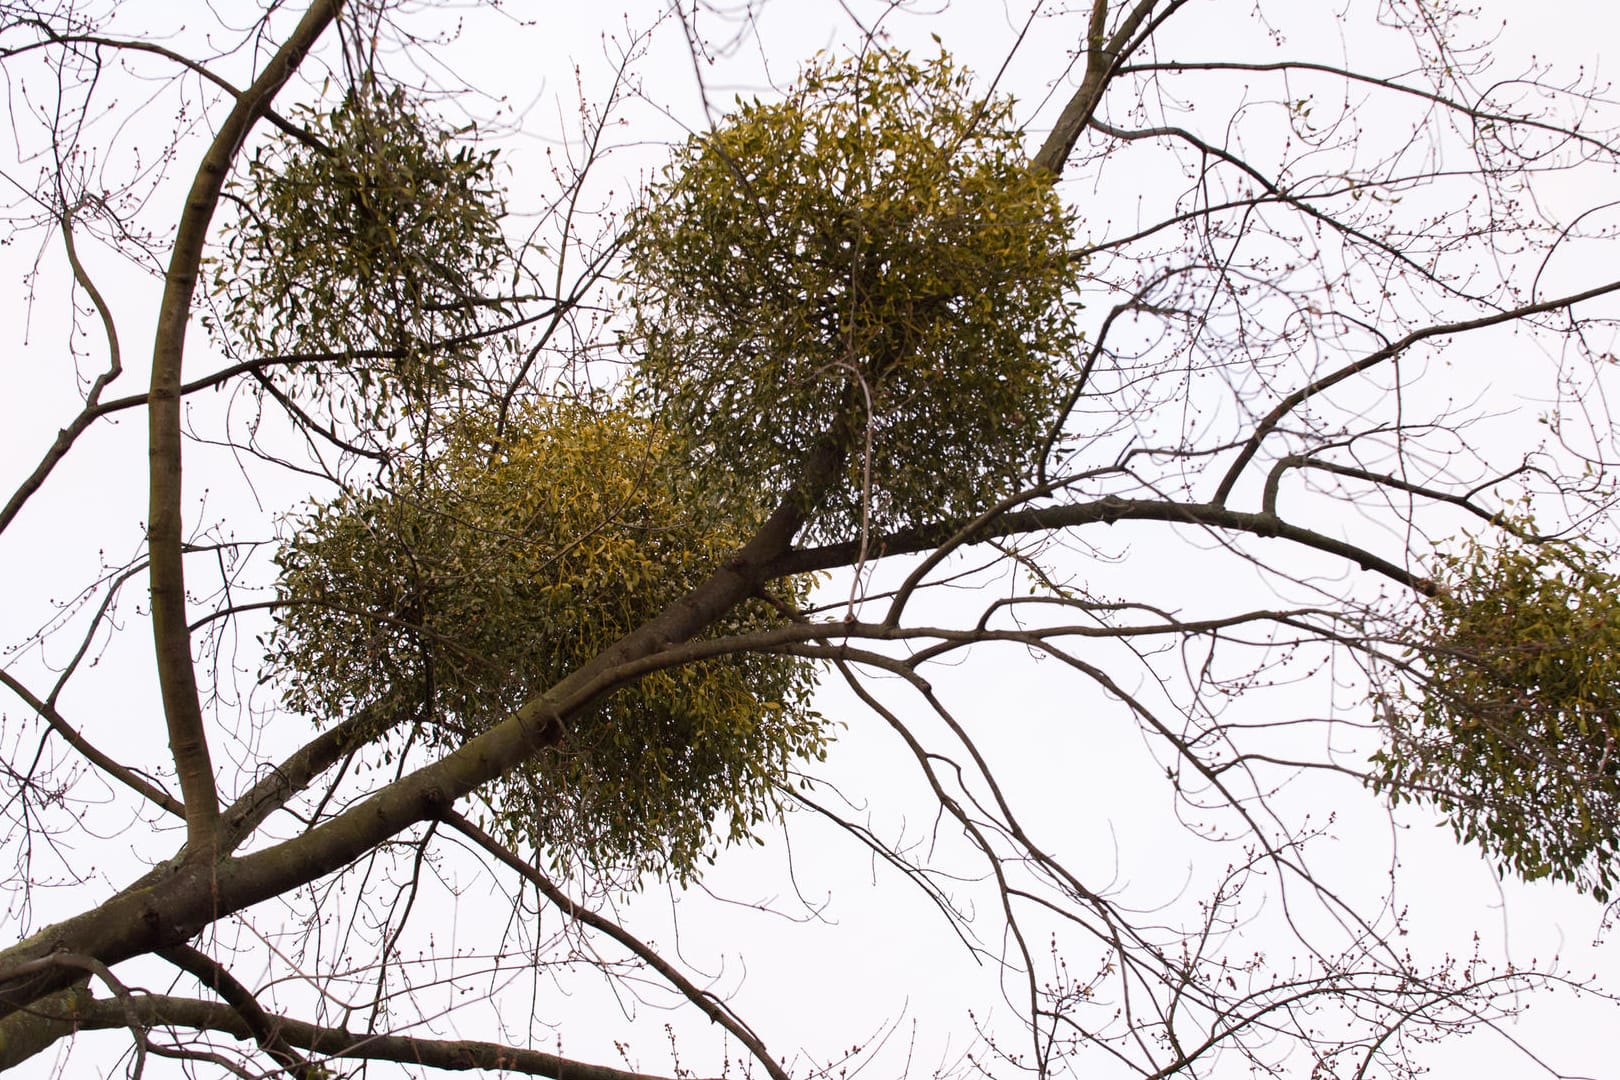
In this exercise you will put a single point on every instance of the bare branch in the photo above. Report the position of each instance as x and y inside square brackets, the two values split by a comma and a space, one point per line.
[711, 1006]
[165, 529]
[460, 1055]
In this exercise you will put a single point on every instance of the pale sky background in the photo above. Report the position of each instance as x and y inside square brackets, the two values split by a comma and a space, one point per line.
[850, 952]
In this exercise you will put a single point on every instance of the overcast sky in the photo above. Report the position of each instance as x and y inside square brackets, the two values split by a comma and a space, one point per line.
[809, 934]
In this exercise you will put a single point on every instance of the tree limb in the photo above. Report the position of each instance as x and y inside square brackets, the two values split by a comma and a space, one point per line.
[1393, 350]
[710, 1006]
[1106, 510]
[1104, 54]
[165, 522]
[266, 1030]
[83, 1012]
[71, 735]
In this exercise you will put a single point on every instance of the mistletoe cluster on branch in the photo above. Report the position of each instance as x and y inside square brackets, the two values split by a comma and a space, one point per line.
[367, 241]
[1515, 735]
[471, 582]
[871, 258]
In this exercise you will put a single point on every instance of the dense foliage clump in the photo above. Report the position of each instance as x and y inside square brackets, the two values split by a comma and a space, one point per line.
[873, 262]
[478, 579]
[367, 245]
[1516, 735]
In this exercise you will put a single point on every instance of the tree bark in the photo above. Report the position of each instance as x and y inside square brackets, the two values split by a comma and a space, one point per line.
[171, 634]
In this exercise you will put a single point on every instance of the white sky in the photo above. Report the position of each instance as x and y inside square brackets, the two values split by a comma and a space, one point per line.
[875, 957]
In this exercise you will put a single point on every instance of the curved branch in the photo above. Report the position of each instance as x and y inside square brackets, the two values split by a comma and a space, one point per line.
[711, 1006]
[92, 401]
[124, 775]
[53, 37]
[177, 676]
[1474, 113]
[1393, 350]
[451, 1055]
[266, 1031]
[1106, 511]
[1464, 501]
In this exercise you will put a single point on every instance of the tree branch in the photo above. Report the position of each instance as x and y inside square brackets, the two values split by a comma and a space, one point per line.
[457, 1055]
[175, 902]
[171, 639]
[1394, 349]
[710, 1005]
[124, 775]
[1104, 54]
[1107, 511]
[266, 1030]
[53, 37]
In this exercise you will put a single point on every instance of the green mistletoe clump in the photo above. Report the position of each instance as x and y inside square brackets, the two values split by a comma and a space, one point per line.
[870, 263]
[1515, 736]
[363, 251]
[477, 580]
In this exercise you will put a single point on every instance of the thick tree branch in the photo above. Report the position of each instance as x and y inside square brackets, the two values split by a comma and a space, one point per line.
[49, 1020]
[174, 903]
[1104, 54]
[165, 522]
[79, 1011]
